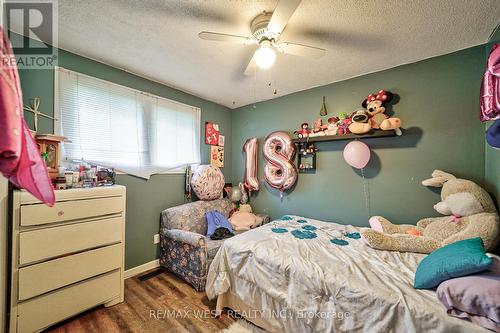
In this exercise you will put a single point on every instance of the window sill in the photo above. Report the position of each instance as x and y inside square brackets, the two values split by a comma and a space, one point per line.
[172, 172]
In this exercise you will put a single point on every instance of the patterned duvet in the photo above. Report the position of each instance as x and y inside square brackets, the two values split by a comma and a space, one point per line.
[305, 275]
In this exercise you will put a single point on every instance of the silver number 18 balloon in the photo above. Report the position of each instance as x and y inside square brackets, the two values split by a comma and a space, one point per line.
[279, 170]
[250, 150]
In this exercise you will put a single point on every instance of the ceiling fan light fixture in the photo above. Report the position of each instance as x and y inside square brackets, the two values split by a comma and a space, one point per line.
[265, 55]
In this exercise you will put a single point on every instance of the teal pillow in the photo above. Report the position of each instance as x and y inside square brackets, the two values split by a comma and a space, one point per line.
[453, 260]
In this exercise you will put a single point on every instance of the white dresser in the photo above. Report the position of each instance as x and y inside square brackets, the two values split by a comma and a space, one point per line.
[68, 258]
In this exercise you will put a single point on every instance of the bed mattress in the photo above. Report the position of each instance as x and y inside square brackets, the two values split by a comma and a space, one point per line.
[305, 275]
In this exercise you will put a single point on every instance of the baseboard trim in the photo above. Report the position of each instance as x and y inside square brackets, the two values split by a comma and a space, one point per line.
[141, 268]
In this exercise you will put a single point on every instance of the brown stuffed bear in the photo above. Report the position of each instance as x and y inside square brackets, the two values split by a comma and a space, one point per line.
[470, 213]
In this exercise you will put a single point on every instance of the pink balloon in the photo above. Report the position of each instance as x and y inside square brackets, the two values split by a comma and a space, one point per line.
[490, 87]
[357, 154]
[250, 150]
[279, 170]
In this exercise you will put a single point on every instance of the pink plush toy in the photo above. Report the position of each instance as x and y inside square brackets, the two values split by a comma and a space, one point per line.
[243, 219]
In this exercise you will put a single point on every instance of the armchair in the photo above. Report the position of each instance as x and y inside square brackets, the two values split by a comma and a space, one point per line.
[185, 250]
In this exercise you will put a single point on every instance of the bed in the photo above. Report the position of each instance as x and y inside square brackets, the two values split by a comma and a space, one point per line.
[288, 276]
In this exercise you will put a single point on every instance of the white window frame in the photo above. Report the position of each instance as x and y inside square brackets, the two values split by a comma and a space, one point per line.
[57, 114]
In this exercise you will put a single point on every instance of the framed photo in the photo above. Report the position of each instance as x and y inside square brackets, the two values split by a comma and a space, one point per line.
[222, 139]
[211, 134]
[217, 156]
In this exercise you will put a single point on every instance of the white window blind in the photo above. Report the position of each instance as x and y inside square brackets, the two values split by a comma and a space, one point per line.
[119, 127]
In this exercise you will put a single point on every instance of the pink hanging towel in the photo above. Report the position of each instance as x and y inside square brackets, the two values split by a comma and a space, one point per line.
[490, 87]
[20, 159]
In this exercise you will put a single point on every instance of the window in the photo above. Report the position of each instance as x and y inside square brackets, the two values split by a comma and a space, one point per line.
[119, 127]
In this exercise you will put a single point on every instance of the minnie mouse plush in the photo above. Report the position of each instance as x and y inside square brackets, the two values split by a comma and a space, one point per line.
[375, 107]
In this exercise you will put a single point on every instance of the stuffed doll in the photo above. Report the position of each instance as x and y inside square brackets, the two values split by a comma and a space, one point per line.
[243, 219]
[303, 132]
[332, 127]
[343, 123]
[375, 107]
[360, 122]
[319, 128]
[469, 212]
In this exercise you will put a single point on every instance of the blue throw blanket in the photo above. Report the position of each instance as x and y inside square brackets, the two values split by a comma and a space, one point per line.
[216, 220]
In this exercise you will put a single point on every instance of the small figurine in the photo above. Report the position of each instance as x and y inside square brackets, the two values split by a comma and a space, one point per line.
[319, 128]
[332, 127]
[311, 148]
[105, 177]
[244, 194]
[343, 123]
[307, 148]
[303, 132]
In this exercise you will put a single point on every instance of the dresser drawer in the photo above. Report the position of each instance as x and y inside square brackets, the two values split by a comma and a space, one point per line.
[37, 214]
[43, 311]
[38, 279]
[48, 243]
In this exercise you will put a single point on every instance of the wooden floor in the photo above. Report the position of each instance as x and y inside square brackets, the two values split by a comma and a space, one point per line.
[161, 303]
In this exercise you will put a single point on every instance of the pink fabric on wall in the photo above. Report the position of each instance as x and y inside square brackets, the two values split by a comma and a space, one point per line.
[20, 159]
[490, 87]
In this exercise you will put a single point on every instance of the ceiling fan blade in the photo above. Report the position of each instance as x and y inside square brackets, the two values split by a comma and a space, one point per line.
[251, 67]
[226, 38]
[301, 50]
[282, 13]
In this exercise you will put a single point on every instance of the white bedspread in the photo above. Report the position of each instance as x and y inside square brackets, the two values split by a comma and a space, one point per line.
[313, 285]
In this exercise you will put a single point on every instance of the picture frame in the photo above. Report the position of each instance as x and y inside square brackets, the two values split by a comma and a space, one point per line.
[211, 134]
[217, 156]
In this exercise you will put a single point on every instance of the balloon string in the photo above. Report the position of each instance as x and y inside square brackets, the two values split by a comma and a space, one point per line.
[366, 192]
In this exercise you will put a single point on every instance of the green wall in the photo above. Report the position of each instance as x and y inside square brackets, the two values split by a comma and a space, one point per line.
[492, 155]
[145, 199]
[438, 105]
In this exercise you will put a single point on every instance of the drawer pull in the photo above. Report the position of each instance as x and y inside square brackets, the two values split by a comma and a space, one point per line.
[60, 213]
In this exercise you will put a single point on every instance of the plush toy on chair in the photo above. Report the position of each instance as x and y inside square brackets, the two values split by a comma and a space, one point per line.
[243, 219]
[469, 211]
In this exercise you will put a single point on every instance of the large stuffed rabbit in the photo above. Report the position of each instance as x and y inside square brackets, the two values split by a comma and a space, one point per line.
[469, 211]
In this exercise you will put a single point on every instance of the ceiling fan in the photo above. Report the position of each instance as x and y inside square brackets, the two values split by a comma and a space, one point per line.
[266, 30]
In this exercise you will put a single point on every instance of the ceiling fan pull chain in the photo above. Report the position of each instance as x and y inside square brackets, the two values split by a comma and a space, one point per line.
[255, 87]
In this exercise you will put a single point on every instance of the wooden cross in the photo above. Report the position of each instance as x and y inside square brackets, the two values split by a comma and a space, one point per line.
[33, 108]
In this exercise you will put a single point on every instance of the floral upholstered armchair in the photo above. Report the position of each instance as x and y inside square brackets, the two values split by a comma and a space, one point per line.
[185, 250]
